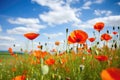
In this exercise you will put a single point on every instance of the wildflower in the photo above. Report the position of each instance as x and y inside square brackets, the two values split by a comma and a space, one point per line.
[31, 36]
[57, 43]
[106, 37]
[115, 32]
[39, 54]
[77, 36]
[99, 26]
[11, 52]
[44, 69]
[92, 39]
[50, 61]
[21, 77]
[110, 74]
[101, 58]
[82, 67]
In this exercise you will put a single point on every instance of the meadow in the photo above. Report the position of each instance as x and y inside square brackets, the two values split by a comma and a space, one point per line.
[78, 62]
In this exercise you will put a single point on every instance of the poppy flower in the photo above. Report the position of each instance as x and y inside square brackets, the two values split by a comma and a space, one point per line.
[115, 32]
[50, 61]
[110, 74]
[11, 51]
[31, 36]
[101, 58]
[57, 43]
[106, 37]
[39, 54]
[77, 36]
[99, 26]
[21, 77]
[92, 39]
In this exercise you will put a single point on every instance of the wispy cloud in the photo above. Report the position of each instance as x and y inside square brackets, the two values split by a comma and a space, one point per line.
[109, 21]
[87, 5]
[0, 28]
[53, 35]
[60, 12]
[102, 12]
[118, 3]
[26, 25]
[7, 38]
[98, 1]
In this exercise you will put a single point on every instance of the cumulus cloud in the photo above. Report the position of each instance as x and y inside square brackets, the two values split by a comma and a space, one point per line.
[26, 25]
[6, 38]
[60, 12]
[109, 21]
[102, 12]
[54, 35]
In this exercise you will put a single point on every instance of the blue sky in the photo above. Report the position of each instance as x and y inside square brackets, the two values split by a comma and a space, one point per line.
[50, 18]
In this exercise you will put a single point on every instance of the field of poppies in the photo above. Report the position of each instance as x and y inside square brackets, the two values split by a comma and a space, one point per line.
[77, 62]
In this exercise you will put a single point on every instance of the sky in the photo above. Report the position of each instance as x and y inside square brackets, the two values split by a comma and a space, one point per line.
[50, 18]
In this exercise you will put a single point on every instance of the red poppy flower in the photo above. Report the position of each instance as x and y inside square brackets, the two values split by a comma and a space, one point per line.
[110, 74]
[101, 58]
[21, 77]
[115, 32]
[50, 61]
[77, 36]
[91, 39]
[31, 36]
[106, 37]
[99, 26]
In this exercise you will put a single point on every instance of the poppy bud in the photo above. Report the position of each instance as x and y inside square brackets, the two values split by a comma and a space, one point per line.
[115, 45]
[113, 28]
[66, 30]
[97, 43]
[118, 27]
[45, 44]
[107, 31]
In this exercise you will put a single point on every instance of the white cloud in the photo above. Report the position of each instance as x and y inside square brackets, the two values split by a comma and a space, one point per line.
[98, 1]
[28, 25]
[118, 3]
[0, 28]
[54, 35]
[60, 12]
[24, 21]
[87, 5]
[21, 30]
[109, 21]
[102, 12]
[6, 38]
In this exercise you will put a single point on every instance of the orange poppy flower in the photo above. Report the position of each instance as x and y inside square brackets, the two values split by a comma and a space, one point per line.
[115, 32]
[21, 77]
[106, 37]
[92, 39]
[101, 58]
[77, 36]
[50, 61]
[99, 26]
[31, 36]
[39, 54]
[110, 74]
[57, 43]
[11, 51]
